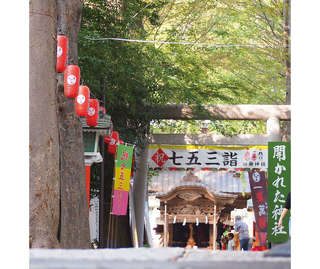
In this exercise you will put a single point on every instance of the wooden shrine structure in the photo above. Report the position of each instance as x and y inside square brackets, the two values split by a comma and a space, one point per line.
[182, 201]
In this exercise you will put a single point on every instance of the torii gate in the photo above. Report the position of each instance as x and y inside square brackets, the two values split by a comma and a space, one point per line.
[273, 114]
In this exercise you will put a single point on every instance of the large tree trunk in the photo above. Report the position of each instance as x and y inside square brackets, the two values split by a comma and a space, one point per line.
[44, 147]
[74, 221]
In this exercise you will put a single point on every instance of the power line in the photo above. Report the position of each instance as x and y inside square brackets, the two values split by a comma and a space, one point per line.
[177, 42]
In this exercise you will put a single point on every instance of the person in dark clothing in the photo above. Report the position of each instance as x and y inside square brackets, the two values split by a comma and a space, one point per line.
[287, 207]
[220, 231]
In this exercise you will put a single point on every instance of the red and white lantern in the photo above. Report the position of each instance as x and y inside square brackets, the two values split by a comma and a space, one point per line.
[113, 141]
[107, 139]
[62, 53]
[71, 81]
[82, 101]
[173, 169]
[93, 116]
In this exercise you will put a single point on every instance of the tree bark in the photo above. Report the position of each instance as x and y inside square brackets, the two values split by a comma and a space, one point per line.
[44, 147]
[74, 218]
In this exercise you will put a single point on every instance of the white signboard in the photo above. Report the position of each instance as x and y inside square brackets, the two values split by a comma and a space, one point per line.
[187, 156]
[94, 219]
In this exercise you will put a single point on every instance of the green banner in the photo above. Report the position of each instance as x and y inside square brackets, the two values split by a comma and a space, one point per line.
[278, 188]
[124, 156]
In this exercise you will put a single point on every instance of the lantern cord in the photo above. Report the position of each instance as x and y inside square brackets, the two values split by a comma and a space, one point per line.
[128, 144]
[100, 102]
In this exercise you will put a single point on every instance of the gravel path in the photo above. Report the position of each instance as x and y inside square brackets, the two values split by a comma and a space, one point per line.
[152, 258]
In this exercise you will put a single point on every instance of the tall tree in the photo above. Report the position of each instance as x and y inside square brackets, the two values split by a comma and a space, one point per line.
[44, 143]
[74, 218]
[58, 203]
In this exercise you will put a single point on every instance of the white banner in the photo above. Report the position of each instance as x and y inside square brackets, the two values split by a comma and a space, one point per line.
[187, 156]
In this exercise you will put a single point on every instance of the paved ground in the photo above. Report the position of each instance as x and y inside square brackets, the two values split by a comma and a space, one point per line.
[152, 258]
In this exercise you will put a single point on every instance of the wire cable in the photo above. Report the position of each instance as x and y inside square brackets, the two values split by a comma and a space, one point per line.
[178, 42]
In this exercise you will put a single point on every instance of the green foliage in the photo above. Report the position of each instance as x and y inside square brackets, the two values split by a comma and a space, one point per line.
[129, 74]
[225, 127]
[138, 73]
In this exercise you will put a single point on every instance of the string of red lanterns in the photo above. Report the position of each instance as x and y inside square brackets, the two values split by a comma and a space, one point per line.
[72, 87]
[84, 106]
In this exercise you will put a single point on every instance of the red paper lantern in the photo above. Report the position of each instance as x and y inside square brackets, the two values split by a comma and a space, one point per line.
[92, 116]
[71, 81]
[82, 101]
[113, 141]
[62, 53]
[206, 169]
[107, 139]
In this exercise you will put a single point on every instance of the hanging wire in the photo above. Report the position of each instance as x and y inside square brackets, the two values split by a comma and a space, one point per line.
[179, 42]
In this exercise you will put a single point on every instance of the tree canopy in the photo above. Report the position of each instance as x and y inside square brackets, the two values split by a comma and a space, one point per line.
[218, 52]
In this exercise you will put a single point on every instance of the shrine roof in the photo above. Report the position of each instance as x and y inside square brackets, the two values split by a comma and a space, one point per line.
[218, 182]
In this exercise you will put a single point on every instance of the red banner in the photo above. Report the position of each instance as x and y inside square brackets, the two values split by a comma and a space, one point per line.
[259, 193]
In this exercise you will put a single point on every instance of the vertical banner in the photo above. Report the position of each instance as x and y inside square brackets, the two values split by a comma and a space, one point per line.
[122, 180]
[258, 185]
[278, 189]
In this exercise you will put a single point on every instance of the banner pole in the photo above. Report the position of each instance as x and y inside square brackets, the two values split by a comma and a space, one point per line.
[165, 225]
[214, 245]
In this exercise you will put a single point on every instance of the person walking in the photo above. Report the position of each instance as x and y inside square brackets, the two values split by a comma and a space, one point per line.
[285, 210]
[242, 228]
[219, 233]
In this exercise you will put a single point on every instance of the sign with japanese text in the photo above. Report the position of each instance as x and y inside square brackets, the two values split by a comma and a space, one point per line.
[258, 185]
[122, 180]
[278, 189]
[189, 156]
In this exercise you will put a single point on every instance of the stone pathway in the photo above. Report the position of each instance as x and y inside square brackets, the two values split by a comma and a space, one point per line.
[152, 258]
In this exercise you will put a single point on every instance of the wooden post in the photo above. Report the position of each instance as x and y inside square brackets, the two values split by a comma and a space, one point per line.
[165, 225]
[273, 129]
[214, 227]
[140, 189]
[134, 234]
[102, 208]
